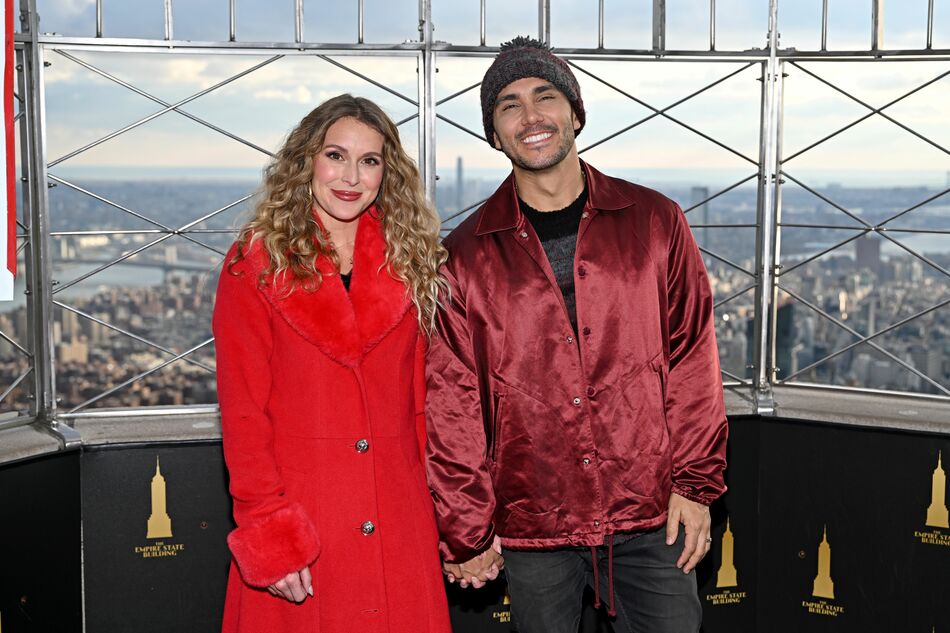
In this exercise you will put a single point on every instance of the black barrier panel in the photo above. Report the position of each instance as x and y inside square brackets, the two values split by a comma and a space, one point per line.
[853, 530]
[727, 576]
[155, 519]
[488, 610]
[40, 564]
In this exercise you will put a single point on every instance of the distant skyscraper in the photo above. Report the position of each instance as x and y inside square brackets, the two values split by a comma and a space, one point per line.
[868, 253]
[459, 184]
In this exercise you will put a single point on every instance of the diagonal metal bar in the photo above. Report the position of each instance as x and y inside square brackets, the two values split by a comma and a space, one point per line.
[727, 262]
[164, 110]
[785, 271]
[871, 108]
[458, 94]
[864, 339]
[726, 190]
[140, 376]
[916, 206]
[663, 112]
[13, 385]
[865, 117]
[133, 213]
[22, 226]
[827, 200]
[115, 205]
[119, 260]
[15, 344]
[17, 117]
[357, 73]
[208, 216]
[741, 381]
[734, 295]
[131, 335]
[22, 245]
[460, 126]
[919, 256]
[465, 210]
[407, 119]
[162, 102]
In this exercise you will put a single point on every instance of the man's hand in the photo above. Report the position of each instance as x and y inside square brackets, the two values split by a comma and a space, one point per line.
[295, 586]
[697, 523]
[479, 570]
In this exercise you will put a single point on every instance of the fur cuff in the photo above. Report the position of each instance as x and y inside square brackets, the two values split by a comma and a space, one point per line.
[269, 549]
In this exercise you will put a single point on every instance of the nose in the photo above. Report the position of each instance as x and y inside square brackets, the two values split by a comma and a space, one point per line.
[351, 173]
[531, 115]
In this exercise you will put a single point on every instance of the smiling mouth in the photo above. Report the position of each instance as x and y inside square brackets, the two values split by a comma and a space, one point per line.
[348, 196]
[537, 138]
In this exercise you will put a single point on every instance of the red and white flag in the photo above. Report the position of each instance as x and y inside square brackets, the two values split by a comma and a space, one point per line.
[8, 189]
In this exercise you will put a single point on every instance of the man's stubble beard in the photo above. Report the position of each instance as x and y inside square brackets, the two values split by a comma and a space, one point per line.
[563, 150]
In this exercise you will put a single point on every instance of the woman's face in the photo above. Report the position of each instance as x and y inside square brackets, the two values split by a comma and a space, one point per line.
[347, 171]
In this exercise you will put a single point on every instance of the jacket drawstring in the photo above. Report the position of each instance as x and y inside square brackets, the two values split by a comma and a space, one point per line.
[593, 558]
[611, 611]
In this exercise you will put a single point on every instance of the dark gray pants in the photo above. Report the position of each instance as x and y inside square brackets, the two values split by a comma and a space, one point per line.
[650, 594]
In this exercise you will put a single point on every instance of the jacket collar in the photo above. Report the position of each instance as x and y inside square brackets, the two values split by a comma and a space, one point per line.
[501, 211]
[346, 325]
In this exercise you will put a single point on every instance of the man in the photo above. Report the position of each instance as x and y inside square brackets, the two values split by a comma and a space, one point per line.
[575, 406]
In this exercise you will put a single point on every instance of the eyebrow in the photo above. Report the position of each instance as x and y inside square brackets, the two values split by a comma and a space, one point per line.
[346, 151]
[512, 96]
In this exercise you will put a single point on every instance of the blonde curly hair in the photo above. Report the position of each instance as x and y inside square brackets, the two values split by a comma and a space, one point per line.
[285, 222]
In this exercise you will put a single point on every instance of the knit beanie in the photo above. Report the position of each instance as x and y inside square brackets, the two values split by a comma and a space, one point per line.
[526, 57]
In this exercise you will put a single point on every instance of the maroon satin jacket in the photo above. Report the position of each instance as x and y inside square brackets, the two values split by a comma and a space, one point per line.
[550, 439]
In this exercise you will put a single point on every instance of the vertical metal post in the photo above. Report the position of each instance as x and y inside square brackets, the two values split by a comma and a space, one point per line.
[659, 26]
[824, 25]
[169, 27]
[360, 17]
[600, 24]
[427, 101]
[231, 30]
[712, 25]
[41, 325]
[26, 166]
[930, 24]
[481, 22]
[544, 21]
[765, 268]
[98, 18]
[298, 21]
[877, 25]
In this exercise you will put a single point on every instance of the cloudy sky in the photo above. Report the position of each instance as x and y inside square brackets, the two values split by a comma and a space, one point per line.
[263, 105]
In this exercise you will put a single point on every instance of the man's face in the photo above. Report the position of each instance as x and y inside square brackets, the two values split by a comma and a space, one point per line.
[534, 124]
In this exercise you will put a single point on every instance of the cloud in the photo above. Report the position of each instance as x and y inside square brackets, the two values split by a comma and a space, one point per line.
[68, 8]
[300, 94]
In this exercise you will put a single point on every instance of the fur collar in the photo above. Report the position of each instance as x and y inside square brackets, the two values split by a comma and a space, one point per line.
[343, 325]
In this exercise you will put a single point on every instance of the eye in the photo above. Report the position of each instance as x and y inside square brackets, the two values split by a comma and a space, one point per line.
[372, 161]
[509, 106]
[334, 155]
[546, 97]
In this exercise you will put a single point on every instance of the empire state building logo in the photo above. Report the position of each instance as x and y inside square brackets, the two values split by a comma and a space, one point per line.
[824, 586]
[159, 523]
[937, 511]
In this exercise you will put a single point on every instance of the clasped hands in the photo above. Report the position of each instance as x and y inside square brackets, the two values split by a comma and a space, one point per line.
[479, 570]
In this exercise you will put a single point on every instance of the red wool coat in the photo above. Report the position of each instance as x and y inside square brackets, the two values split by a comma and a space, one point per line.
[321, 397]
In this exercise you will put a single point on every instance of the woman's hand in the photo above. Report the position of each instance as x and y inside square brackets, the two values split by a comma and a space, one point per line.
[295, 586]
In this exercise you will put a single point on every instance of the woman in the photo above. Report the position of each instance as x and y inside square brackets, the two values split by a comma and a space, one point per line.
[319, 321]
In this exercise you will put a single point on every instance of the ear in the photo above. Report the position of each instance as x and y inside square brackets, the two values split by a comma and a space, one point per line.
[575, 120]
[497, 141]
